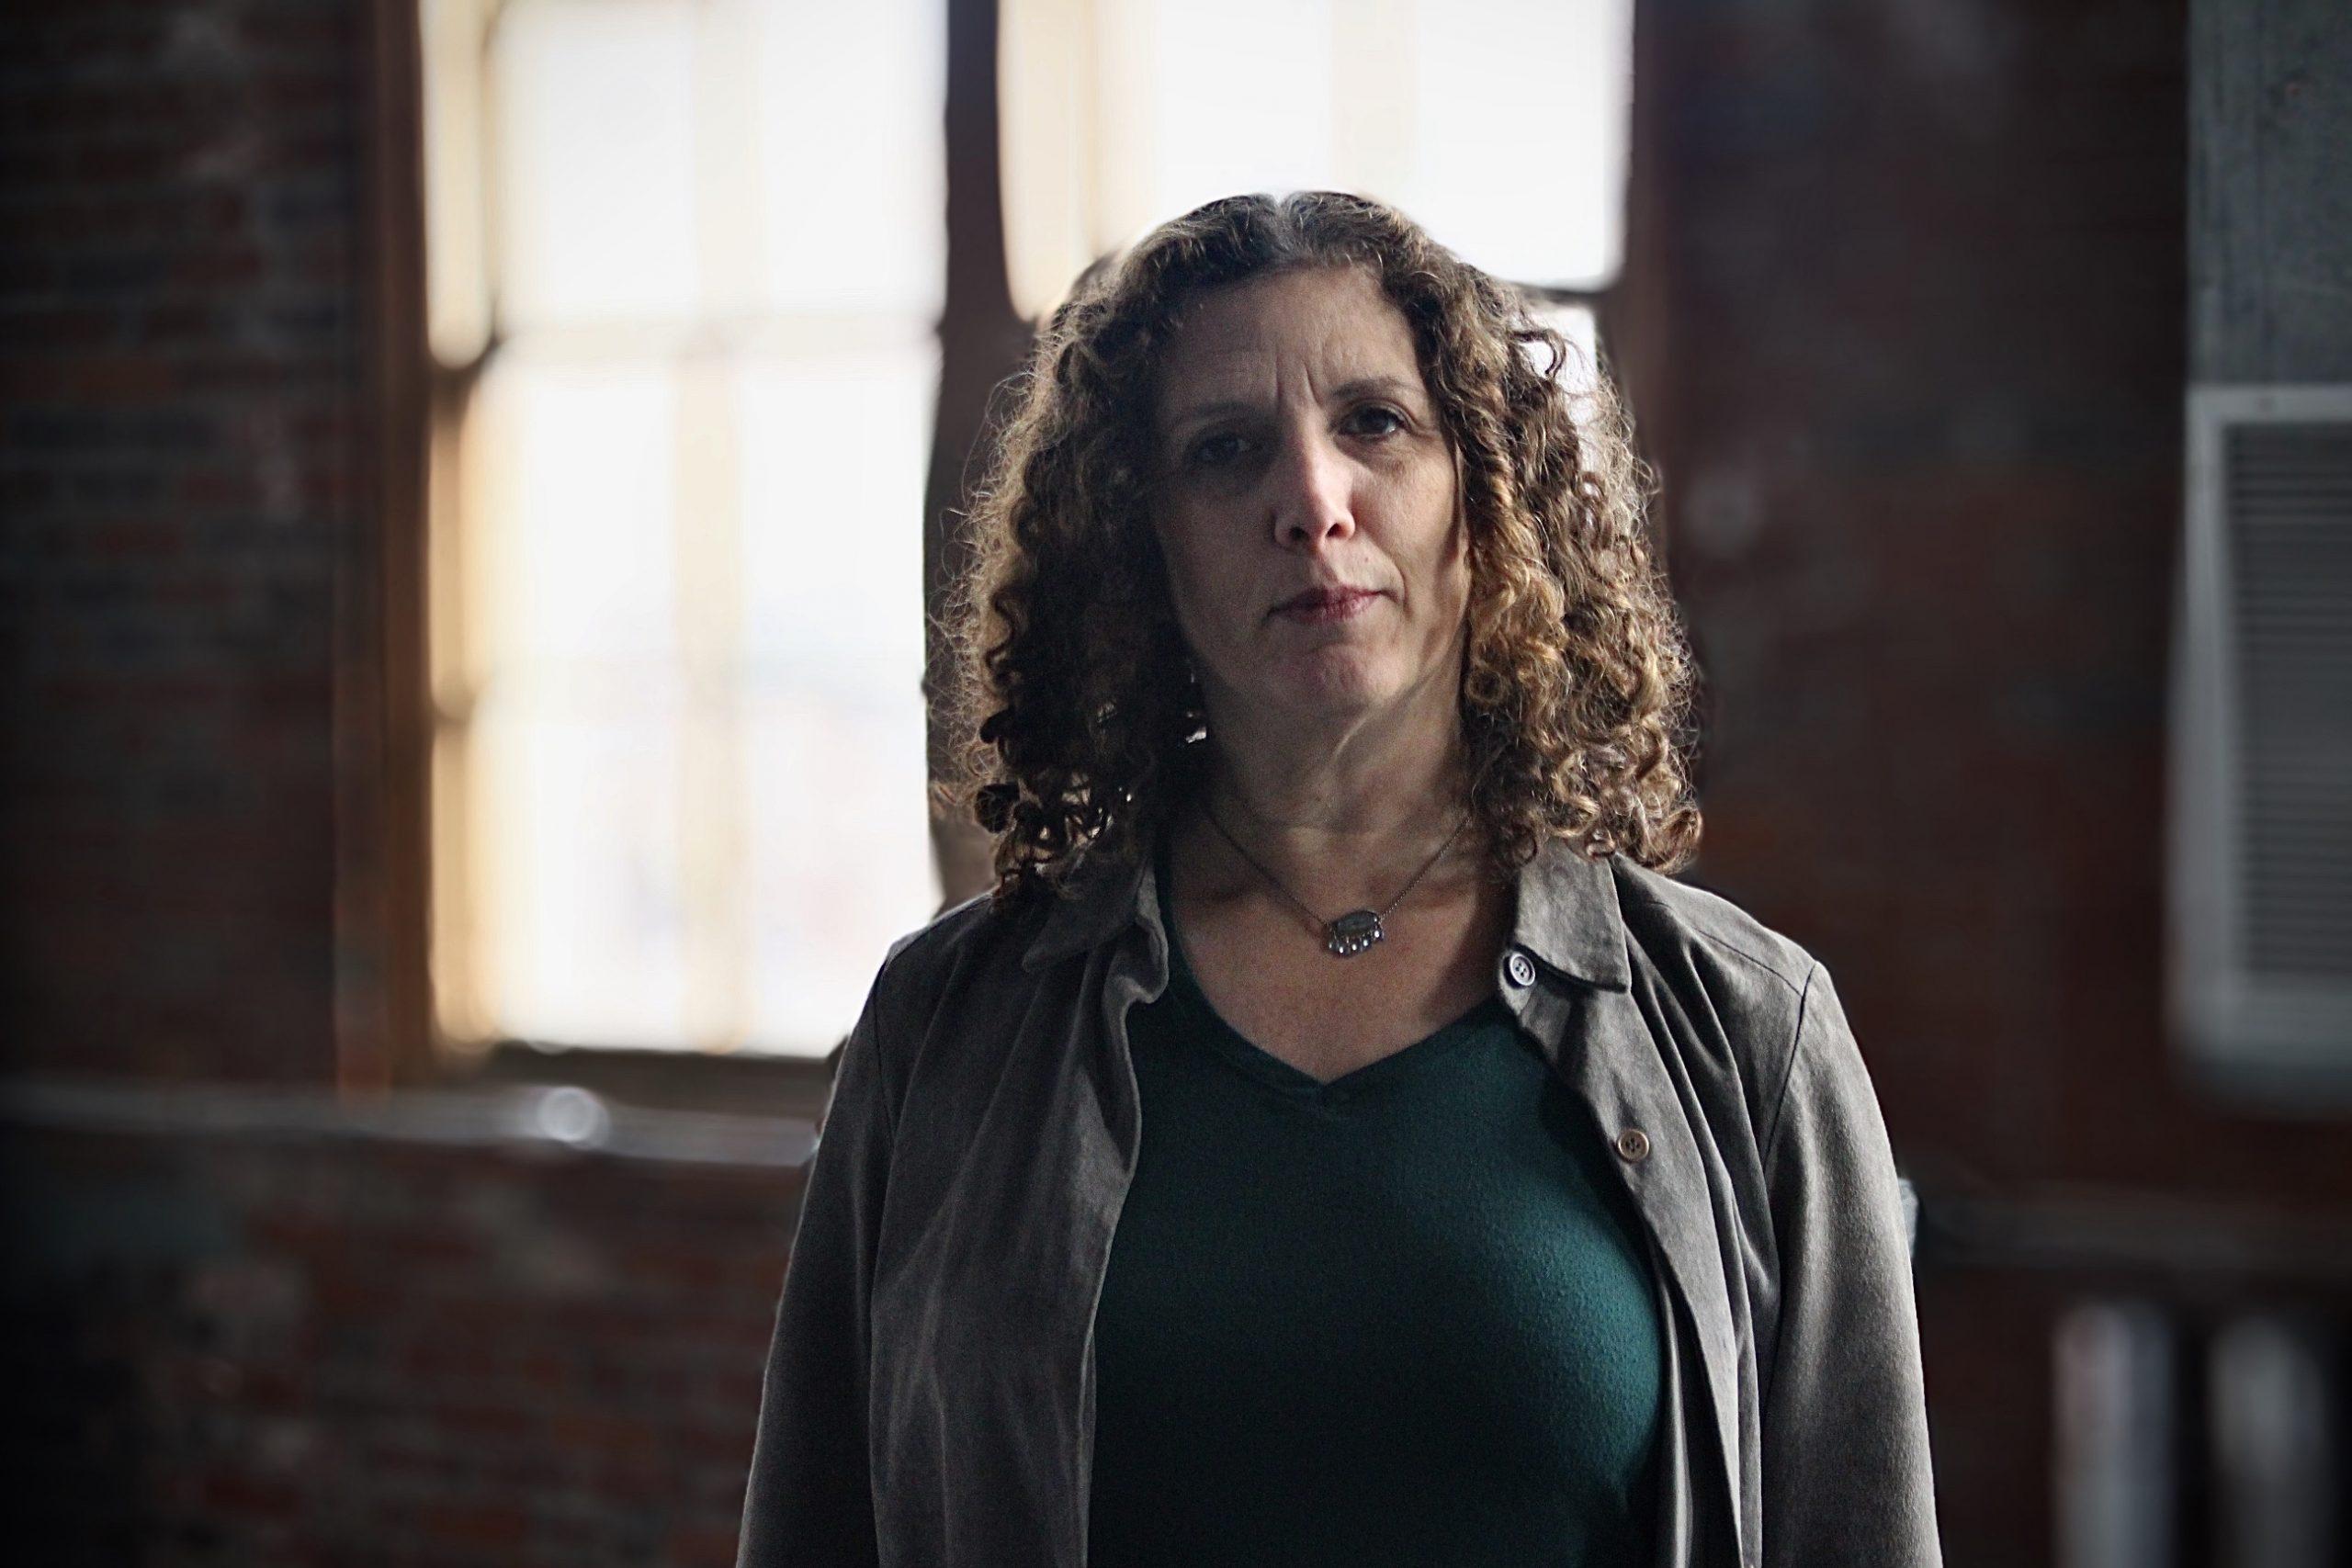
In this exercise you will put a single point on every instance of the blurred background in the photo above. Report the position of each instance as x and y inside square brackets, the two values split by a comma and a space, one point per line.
[473, 474]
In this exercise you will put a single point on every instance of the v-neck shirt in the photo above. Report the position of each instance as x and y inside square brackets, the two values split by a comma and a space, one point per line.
[1401, 1316]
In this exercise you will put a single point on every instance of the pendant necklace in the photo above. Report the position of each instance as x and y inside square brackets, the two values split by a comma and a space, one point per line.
[1356, 931]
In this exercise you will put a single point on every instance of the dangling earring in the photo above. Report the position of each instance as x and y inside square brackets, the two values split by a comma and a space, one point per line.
[1195, 707]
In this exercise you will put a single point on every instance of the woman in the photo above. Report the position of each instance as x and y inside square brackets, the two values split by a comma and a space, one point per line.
[1335, 1140]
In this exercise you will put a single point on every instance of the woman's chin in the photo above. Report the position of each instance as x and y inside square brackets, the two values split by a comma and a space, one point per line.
[1334, 681]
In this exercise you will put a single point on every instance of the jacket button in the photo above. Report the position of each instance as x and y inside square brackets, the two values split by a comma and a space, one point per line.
[1634, 1144]
[1520, 967]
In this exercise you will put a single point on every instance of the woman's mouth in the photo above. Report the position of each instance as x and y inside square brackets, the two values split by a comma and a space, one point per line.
[1318, 607]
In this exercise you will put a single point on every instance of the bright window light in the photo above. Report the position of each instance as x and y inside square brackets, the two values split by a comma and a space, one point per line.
[1499, 125]
[677, 519]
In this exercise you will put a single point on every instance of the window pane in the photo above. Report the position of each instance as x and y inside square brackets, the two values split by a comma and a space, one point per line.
[853, 175]
[686, 749]
[1500, 125]
[581, 486]
[837, 844]
[1520, 150]
[580, 864]
[835, 452]
[595, 176]
[1227, 119]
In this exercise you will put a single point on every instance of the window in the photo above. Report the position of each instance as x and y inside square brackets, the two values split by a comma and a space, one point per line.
[686, 264]
[686, 267]
[1499, 125]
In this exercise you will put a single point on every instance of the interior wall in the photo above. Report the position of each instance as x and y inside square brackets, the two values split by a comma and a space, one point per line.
[1913, 291]
[177, 473]
[1919, 426]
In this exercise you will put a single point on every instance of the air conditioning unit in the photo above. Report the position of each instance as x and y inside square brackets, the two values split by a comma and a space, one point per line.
[2260, 874]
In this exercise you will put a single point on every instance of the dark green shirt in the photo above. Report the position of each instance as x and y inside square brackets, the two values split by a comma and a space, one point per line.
[1402, 1318]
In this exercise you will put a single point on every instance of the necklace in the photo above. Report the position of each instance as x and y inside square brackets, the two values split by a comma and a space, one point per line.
[1356, 931]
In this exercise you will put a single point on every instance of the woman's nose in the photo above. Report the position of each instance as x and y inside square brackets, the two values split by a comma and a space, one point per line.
[1309, 500]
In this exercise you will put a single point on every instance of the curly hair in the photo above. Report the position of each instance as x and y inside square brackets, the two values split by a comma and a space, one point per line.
[1073, 705]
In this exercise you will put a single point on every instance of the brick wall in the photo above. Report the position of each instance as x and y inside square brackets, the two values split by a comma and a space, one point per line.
[1922, 462]
[294, 1351]
[231, 1350]
[176, 437]
[1922, 452]
[1923, 273]
[1914, 281]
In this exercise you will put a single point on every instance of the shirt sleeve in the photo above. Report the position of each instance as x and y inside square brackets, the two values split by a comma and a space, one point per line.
[1845, 1471]
[810, 1500]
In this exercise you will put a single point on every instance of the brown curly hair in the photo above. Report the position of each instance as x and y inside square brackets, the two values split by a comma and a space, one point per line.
[1073, 707]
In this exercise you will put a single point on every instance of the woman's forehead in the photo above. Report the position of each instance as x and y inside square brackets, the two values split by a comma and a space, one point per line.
[1335, 326]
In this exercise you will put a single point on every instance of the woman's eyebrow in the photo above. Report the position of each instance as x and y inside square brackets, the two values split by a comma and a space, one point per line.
[1391, 386]
[1199, 412]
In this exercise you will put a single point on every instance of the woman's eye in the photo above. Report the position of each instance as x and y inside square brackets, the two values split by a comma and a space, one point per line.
[1215, 451]
[1384, 422]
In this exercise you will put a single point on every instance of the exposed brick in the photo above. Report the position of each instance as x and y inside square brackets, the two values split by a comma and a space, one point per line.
[1920, 433]
[180, 300]
[1919, 430]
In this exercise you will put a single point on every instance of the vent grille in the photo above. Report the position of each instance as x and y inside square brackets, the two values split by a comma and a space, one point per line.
[2260, 848]
[2287, 492]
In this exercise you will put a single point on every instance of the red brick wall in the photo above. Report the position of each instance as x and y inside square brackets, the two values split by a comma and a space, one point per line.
[1923, 274]
[291, 1351]
[1921, 446]
[225, 1350]
[176, 437]
[1915, 279]
[1922, 462]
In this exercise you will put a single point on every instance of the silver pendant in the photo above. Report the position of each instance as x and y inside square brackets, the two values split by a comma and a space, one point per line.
[1351, 933]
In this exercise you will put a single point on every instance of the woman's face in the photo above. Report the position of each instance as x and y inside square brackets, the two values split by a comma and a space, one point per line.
[1309, 504]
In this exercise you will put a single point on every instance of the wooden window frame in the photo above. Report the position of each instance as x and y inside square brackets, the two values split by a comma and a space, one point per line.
[386, 1034]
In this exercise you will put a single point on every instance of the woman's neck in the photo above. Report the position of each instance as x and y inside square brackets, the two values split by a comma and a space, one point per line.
[1338, 818]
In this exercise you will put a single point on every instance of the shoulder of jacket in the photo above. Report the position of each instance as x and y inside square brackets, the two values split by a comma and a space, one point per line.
[962, 942]
[1657, 907]
[1754, 981]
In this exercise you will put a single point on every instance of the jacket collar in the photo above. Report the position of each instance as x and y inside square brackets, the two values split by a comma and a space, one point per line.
[1567, 917]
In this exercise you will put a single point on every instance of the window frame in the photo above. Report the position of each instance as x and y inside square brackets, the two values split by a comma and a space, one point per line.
[386, 1036]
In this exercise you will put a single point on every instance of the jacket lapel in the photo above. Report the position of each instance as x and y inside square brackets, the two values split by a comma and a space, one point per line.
[1591, 1029]
[1602, 1046]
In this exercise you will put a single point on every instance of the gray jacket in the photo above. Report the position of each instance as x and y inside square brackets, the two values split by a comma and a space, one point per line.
[930, 1394]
